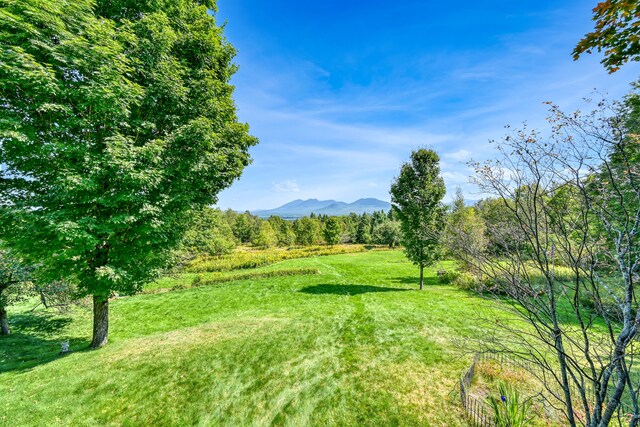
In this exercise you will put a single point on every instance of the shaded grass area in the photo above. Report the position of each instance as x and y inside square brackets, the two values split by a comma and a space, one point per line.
[355, 345]
[346, 289]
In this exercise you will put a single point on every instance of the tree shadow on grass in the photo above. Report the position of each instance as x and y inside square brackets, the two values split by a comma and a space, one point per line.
[34, 340]
[347, 289]
[38, 323]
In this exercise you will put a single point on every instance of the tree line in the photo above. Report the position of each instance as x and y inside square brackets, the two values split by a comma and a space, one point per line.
[216, 232]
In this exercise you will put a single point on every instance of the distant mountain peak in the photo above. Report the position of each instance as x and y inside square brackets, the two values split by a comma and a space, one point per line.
[299, 208]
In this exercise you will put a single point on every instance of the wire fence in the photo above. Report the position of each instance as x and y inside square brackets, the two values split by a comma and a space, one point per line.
[480, 414]
[476, 409]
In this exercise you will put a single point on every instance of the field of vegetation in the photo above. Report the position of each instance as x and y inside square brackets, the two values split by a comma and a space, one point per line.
[353, 344]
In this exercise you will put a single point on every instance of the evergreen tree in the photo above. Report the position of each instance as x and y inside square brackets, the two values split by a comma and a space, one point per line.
[332, 231]
[363, 232]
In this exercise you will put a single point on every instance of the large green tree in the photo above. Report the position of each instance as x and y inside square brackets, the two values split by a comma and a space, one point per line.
[284, 231]
[117, 122]
[265, 236]
[363, 230]
[416, 197]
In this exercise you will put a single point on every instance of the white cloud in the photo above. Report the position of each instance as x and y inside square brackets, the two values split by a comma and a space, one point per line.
[455, 178]
[340, 140]
[460, 155]
[287, 186]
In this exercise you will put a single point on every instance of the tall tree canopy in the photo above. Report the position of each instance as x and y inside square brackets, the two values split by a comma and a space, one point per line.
[117, 121]
[616, 32]
[416, 198]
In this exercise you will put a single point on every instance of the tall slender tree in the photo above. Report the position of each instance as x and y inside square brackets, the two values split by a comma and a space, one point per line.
[117, 121]
[416, 198]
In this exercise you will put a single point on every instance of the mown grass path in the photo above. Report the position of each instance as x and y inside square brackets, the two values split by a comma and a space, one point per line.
[355, 345]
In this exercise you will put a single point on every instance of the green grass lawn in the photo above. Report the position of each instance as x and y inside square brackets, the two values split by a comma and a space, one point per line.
[355, 345]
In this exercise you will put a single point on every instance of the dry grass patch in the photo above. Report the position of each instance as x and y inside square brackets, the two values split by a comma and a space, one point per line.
[490, 373]
[427, 391]
[187, 338]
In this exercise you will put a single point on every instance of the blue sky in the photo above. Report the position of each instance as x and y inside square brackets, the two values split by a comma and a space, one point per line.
[340, 92]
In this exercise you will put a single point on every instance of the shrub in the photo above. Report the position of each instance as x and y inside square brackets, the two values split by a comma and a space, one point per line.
[197, 281]
[509, 410]
[459, 279]
[252, 259]
[448, 277]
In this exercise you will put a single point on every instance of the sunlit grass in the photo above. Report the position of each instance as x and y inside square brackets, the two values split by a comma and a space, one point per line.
[355, 345]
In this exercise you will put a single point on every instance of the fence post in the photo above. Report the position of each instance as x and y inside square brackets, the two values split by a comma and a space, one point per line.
[474, 408]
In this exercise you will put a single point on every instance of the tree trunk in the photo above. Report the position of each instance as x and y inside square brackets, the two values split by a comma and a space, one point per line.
[100, 321]
[4, 324]
[421, 277]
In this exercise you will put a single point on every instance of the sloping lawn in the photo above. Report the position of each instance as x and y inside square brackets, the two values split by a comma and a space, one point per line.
[355, 345]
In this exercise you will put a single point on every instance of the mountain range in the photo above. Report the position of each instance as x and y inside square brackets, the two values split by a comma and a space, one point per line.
[299, 208]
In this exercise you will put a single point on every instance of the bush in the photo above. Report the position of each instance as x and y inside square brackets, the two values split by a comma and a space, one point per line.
[252, 259]
[460, 280]
[509, 410]
[448, 277]
[197, 281]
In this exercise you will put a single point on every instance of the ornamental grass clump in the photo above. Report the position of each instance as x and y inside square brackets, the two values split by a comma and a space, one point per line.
[509, 410]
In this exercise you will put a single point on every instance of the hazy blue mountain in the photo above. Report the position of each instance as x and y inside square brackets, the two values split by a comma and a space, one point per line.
[299, 208]
[359, 206]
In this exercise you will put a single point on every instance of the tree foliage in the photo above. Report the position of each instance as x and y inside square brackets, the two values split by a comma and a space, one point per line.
[570, 257]
[387, 233]
[15, 285]
[265, 236]
[117, 122]
[332, 231]
[465, 231]
[416, 198]
[363, 229]
[284, 231]
[616, 32]
[307, 231]
[209, 233]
